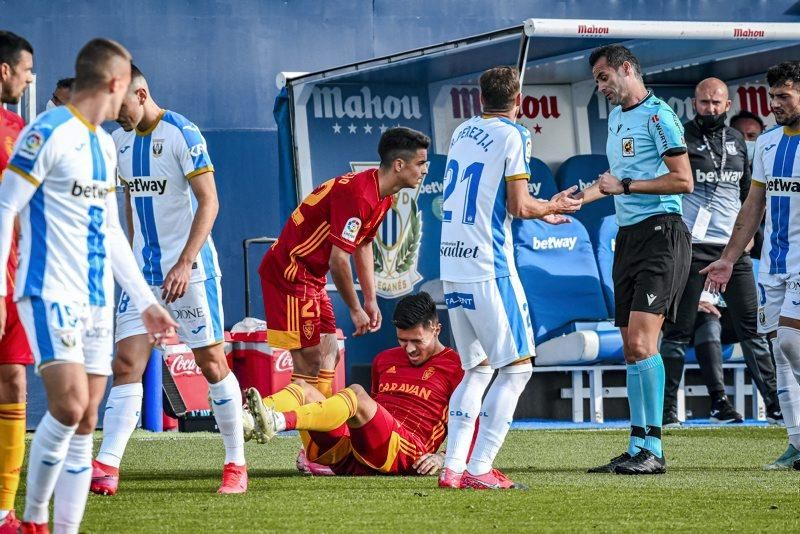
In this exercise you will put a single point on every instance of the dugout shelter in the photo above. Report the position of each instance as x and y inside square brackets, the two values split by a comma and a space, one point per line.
[330, 121]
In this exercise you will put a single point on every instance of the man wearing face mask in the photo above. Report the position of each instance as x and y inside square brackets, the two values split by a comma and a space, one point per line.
[721, 172]
[751, 126]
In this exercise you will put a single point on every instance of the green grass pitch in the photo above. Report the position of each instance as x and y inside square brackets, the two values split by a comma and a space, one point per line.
[715, 483]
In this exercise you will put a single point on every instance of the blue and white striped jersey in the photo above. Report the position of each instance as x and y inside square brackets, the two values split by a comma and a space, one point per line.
[485, 154]
[776, 166]
[156, 166]
[63, 249]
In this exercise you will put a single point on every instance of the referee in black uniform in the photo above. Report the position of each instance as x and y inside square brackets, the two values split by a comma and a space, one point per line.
[718, 156]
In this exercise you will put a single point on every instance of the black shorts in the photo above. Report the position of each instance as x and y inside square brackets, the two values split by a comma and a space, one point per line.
[651, 265]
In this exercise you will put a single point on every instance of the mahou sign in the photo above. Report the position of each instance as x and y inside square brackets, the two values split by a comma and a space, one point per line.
[546, 110]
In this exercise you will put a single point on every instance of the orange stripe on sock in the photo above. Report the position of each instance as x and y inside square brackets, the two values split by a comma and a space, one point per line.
[349, 397]
[297, 393]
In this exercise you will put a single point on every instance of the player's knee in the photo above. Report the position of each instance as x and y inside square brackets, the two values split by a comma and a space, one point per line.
[638, 348]
[212, 363]
[88, 423]
[69, 411]
[126, 368]
[12, 383]
[359, 391]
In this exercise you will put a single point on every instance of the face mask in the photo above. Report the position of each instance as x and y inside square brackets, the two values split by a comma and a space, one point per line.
[751, 150]
[711, 122]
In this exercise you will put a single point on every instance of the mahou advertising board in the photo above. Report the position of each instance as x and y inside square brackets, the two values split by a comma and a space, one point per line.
[546, 111]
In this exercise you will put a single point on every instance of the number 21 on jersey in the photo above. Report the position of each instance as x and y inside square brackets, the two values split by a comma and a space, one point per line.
[469, 178]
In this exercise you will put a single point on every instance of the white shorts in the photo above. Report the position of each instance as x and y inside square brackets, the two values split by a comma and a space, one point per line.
[68, 332]
[490, 320]
[198, 314]
[778, 296]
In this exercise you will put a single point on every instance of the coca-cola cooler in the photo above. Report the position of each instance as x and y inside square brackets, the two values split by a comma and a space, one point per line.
[185, 390]
[258, 365]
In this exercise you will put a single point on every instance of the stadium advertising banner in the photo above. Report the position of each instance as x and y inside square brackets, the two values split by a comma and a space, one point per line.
[546, 111]
[345, 123]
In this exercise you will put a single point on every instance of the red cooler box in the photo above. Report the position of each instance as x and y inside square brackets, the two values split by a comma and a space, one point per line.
[258, 365]
[184, 378]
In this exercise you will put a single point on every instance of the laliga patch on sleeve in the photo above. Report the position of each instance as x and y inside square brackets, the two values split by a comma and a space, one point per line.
[31, 145]
[351, 228]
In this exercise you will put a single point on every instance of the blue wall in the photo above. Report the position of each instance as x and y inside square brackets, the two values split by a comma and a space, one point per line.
[216, 62]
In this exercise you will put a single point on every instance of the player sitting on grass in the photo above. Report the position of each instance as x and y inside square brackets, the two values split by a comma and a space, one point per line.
[397, 429]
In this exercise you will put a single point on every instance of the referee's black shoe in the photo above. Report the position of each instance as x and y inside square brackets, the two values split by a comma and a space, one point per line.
[610, 466]
[644, 463]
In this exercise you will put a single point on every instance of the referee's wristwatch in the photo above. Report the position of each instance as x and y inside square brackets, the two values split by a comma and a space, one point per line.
[626, 185]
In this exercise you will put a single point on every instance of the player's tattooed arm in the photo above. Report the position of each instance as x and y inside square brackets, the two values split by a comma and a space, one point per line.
[747, 222]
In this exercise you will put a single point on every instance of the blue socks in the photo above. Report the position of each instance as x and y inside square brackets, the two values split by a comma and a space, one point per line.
[636, 406]
[651, 374]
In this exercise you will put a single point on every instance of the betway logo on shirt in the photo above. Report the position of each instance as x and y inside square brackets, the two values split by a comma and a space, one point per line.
[554, 243]
[711, 177]
[583, 185]
[137, 185]
[783, 185]
[89, 190]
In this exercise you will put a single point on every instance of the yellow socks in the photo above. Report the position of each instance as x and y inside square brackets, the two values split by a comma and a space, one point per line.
[325, 382]
[12, 451]
[323, 416]
[285, 400]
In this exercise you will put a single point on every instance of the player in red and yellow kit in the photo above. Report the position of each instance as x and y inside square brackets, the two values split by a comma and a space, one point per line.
[16, 73]
[339, 218]
[399, 427]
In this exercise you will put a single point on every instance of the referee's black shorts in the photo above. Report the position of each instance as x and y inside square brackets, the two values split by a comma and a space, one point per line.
[651, 266]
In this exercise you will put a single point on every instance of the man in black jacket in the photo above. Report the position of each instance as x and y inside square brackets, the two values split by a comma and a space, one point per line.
[718, 156]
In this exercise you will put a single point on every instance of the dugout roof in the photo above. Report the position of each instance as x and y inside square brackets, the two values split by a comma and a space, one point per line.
[559, 54]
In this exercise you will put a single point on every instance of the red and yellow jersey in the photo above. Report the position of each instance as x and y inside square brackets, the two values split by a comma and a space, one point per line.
[344, 211]
[417, 397]
[10, 126]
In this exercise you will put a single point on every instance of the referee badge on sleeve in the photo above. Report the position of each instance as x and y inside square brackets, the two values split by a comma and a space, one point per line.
[628, 150]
